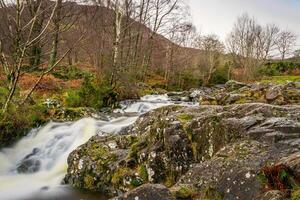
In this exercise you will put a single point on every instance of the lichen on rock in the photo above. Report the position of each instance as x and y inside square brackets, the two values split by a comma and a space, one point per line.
[211, 151]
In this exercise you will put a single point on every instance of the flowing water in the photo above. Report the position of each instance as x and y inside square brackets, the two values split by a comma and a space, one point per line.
[34, 167]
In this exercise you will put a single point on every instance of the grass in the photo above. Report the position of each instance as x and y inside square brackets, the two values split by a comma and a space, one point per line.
[281, 79]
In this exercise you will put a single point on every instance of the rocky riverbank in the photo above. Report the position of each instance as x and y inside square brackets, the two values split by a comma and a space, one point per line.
[247, 148]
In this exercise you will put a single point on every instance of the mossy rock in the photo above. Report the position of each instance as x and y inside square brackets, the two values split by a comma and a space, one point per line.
[211, 194]
[184, 192]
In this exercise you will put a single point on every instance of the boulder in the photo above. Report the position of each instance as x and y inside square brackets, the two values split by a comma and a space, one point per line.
[234, 85]
[148, 192]
[211, 150]
[238, 93]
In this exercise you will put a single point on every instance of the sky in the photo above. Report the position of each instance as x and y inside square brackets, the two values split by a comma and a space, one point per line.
[218, 16]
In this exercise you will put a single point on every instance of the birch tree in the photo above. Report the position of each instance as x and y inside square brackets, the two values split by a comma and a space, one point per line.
[286, 42]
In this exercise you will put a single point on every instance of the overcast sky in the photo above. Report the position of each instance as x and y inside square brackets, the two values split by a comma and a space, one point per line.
[218, 16]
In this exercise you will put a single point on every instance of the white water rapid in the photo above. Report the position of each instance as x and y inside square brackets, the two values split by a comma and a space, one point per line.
[44, 152]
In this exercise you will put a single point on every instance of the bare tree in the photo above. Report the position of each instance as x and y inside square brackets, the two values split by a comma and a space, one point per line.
[251, 44]
[27, 30]
[286, 42]
[23, 36]
[212, 50]
[158, 16]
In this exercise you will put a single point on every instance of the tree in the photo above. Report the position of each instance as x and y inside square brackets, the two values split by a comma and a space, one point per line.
[212, 49]
[251, 44]
[286, 42]
[28, 26]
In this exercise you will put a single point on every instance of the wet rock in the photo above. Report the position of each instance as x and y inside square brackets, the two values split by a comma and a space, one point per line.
[148, 192]
[71, 114]
[30, 165]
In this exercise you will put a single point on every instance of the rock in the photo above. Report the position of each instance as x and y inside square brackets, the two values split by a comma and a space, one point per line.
[71, 114]
[29, 166]
[207, 100]
[273, 93]
[293, 163]
[185, 99]
[148, 192]
[235, 98]
[179, 96]
[52, 103]
[238, 93]
[214, 150]
[234, 85]
[232, 172]
[272, 195]
[94, 165]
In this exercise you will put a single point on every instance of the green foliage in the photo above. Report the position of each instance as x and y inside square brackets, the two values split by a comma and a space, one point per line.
[183, 117]
[281, 79]
[296, 194]
[70, 73]
[136, 182]
[279, 68]
[91, 95]
[190, 80]
[220, 76]
[17, 121]
[185, 192]
[3, 95]
[211, 194]
[143, 173]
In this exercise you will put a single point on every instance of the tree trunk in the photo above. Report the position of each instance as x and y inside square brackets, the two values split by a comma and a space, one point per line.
[117, 27]
[56, 22]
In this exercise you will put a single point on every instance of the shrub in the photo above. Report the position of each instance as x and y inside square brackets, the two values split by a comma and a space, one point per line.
[220, 76]
[70, 73]
[191, 80]
[3, 95]
[17, 121]
[279, 68]
[91, 95]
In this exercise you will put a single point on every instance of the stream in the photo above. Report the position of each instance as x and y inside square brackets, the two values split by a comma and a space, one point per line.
[35, 166]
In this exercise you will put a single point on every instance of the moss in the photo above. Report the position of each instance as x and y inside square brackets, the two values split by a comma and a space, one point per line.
[89, 182]
[145, 91]
[143, 173]
[242, 101]
[211, 194]
[133, 153]
[136, 182]
[183, 117]
[19, 120]
[296, 194]
[170, 179]
[119, 175]
[185, 192]
[262, 178]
